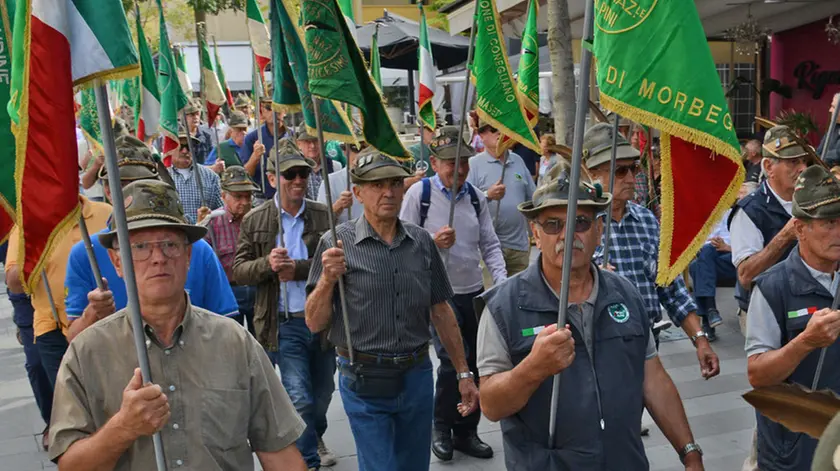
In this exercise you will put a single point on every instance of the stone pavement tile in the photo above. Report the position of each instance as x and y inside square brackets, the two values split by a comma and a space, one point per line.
[720, 384]
[727, 445]
[20, 421]
[23, 444]
[712, 424]
[23, 462]
[736, 366]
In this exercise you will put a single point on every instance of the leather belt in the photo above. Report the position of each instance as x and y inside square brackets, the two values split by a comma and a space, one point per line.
[402, 360]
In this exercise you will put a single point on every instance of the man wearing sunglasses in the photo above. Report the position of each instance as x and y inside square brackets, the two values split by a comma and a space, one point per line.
[634, 242]
[606, 352]
[252, 151]
[486, 172]
[342, 196]
[310, 146]
[216, 400]
[307, 364]
[427, 205]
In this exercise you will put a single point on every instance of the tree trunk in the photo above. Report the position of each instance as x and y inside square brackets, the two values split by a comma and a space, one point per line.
[563, 70]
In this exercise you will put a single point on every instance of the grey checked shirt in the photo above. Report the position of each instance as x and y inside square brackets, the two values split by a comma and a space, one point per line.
[188, 190]
[390, 288]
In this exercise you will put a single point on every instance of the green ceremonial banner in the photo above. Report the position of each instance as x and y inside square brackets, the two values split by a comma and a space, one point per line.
[337, 71]
[375, 63]
[655, 68]
[89, 121]
[528, 75]
[8, 194]
[285, 96]
[498, 101]
[334, 122]
[172, 96]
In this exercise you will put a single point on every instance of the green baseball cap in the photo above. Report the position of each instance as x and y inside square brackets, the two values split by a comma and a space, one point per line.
[445, 144]
[372, 166]
[290, 157]
[235, 178]
[816, 195]
[597, 146]
[238, 120]
[555, 193]
[151, 204]
[780, 142]
[134, 160]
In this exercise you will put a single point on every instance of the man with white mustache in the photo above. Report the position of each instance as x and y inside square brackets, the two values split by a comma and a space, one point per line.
[606, 353]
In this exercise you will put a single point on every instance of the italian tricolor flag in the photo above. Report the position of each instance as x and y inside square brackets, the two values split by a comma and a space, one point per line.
[172, 97]
[220, 74]
[148, 122]
[807, 311]
[58, 44]
[213, 93]
[183, 74]
[427, 75]
[258, 34]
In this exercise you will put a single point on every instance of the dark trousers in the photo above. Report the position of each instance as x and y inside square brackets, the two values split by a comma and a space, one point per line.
[52, 347]
[708, 269]
[447, 395]
[245, 296]
[42, 389]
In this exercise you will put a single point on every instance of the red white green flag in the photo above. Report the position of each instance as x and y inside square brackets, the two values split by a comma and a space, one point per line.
[58, 44]
[183, 74]
[214, 96]
[427, 74]
[220, 74]
[258, 35]
[172, 97]
[148, 117]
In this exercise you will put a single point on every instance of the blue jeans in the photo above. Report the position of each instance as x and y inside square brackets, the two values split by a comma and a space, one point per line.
[42, 389]
[307, 371]
[51, 347]
[393, 433]
[709, 268]
[245, 296]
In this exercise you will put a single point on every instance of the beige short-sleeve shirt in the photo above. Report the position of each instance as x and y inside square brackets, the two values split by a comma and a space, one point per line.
[225, 397]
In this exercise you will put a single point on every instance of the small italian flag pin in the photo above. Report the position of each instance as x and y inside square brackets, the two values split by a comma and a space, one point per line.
[532, 331]
[801, 312]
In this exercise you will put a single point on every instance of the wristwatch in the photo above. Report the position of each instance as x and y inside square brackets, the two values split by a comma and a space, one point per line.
[696, 336]
[691, 447]
[465, 375]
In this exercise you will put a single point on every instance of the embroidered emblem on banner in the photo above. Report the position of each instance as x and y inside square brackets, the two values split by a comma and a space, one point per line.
[619, 312]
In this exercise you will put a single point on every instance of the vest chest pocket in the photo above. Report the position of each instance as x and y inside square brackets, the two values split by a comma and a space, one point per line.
[264, 241]
[795, 326]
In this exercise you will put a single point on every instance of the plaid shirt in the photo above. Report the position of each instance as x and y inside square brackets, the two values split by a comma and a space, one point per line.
[188, 191]
[222, 234]
[634, 248]
[643, 194]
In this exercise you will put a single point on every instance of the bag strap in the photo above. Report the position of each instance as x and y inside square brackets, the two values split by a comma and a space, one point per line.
[425, 200]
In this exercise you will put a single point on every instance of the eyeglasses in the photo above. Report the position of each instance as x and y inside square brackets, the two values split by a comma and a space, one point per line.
[554, 226]
[621, 170]
[142, 251]
[293, 173]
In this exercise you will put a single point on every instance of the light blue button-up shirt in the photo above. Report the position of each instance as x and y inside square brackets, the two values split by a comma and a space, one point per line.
[293, 237]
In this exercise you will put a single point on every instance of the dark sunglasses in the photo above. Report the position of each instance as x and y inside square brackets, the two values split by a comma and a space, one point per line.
[554, 226]
[621, 170]
[293, 173]
[356, 149]
[184, 147]
[488, 128]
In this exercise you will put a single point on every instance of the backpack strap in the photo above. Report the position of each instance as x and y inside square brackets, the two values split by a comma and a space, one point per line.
[476, 204]
[425, 200]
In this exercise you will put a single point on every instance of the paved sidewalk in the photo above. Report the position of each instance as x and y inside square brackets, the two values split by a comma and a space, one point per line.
[722, 422]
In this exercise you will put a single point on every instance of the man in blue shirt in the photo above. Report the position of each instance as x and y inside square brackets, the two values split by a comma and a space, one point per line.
[251, 148]
[86, 304]
[230, 148]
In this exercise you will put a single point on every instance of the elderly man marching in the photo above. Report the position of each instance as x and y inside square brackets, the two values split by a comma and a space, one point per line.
[395, 284]
[212, 410]
[790, 321]
[307, 364]
[634, 243]
[606, 353]
[427, 205]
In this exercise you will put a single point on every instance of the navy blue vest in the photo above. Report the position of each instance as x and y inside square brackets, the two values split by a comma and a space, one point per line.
[768, 215]
[789, 287]
[601, 398]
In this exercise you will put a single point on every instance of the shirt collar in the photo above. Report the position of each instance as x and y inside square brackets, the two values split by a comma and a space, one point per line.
[632, 210]
[177, 337]
[787, 205]
[439, 184]
[364, 230]
[283, 211]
